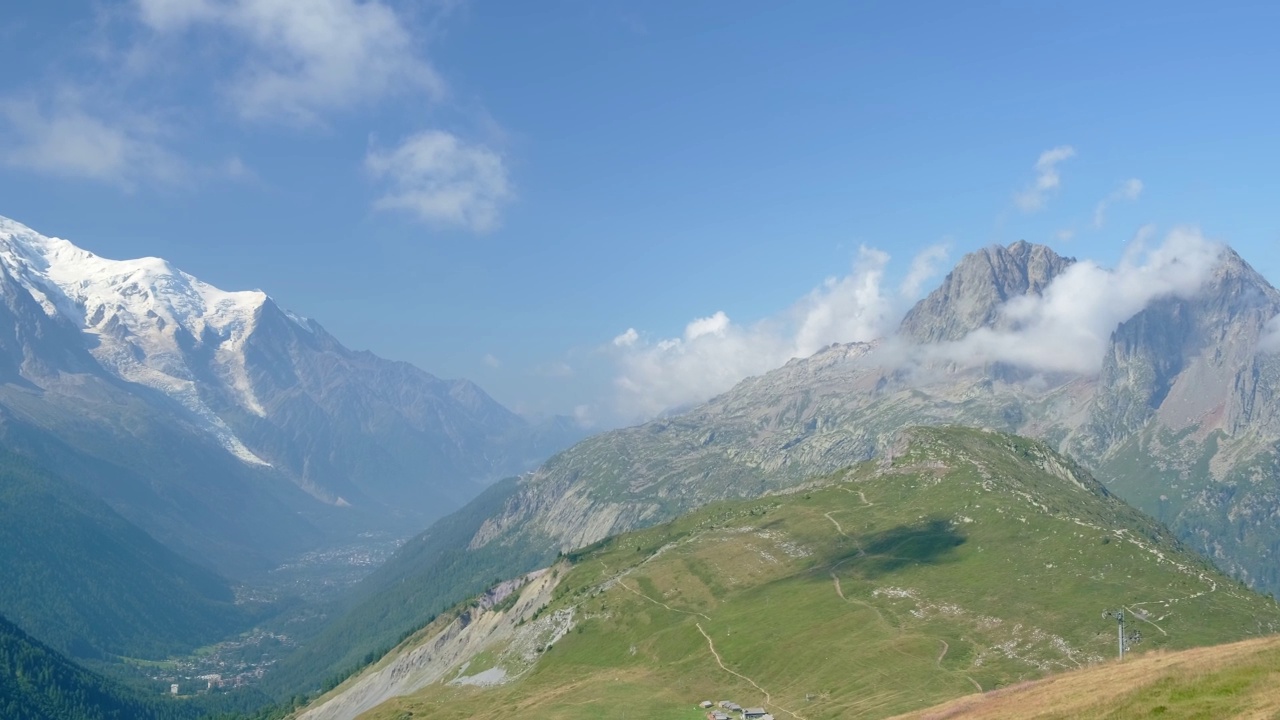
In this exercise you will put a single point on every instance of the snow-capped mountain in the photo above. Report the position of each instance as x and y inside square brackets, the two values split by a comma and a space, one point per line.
[136, 364]
[142, 317]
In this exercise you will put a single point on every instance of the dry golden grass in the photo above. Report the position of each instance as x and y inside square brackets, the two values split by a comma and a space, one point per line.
[1238, 680]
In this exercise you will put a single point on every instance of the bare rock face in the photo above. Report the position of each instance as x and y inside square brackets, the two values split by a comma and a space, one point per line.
[1190, 361]
[1185, 424]
[973, 293]
[447, 655]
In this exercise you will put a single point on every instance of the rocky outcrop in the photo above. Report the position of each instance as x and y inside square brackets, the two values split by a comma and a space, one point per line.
[442, 652]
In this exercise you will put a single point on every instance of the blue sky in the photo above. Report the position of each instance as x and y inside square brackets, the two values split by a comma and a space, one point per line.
[499, 190]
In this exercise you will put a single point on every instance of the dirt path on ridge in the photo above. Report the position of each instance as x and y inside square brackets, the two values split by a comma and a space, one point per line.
[768, 699]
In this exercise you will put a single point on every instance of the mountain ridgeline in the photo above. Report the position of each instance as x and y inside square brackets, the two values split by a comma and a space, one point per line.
[1181, 403]
[230, 429]
[1180, 420]
[962, 559]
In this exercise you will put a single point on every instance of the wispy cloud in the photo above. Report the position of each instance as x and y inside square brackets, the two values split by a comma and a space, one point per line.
[491, 360]
[924, 267]
[301, 64]
[235, 169]
[298, 60]
[557, 369]
[442, 180]
[59, 136]
[1270, 340]
[1129, 191]
[1047, 179]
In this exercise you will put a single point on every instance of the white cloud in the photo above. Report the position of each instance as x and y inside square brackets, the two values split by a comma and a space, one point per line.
[848, 309]
[491, 360]
[626, 339]
[299, 59]
[924, 266]
[1067, 328]
[714, 325]
[443, 180]
[714, 353]
[1129, 191]
[59, 137]
[1047, 179]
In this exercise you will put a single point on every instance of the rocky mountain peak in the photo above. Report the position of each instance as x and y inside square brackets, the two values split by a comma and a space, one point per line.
[971, 295]
[1235, 282]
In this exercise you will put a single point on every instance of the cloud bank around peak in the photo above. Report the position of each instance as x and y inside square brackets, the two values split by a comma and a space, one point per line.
[1064, 330]
[1067, 328]
[714, 353]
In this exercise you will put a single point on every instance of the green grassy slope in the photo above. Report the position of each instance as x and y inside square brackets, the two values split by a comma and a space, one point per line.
[976, 560]
[89, 583]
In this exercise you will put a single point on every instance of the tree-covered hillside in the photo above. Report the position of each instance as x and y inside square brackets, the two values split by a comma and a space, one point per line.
[81, 578]
[36, 683]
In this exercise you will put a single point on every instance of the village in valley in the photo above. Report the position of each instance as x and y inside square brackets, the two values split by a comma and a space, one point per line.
[730, 710]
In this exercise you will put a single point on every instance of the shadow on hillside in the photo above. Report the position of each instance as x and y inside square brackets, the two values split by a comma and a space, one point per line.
[931, 542]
